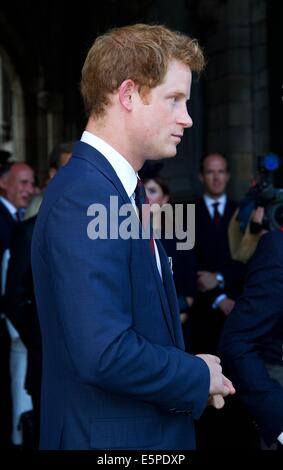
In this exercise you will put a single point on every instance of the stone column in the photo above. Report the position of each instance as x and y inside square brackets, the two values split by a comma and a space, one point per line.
[236, 103]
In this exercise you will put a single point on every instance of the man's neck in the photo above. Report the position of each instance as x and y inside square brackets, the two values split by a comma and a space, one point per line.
[213, 196]
[116, 136]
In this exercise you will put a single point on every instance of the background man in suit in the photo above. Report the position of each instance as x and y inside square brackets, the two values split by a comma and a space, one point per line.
[219, 276]
[219, 282]
[115, 374]
[252, 339]
[20, 301]
[16, 190]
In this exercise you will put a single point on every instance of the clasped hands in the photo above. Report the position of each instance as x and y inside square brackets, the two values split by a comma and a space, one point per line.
[220, 386]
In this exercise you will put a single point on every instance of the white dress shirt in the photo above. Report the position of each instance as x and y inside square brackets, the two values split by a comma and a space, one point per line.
[221, 204]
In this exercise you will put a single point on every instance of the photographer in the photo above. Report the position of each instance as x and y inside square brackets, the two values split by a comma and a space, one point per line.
[252, 338]
[243, 245]
[260, 211]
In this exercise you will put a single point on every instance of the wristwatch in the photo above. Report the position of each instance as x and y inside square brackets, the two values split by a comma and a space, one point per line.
[220, 280]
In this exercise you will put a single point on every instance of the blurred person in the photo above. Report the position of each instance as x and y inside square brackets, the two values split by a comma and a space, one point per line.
[183, 262]
[243, 243]
[16, 190]
[219, 276]
[220, 280]
[20, 301]
[115, 374]
[252, 338]
[16, 185]
[59, 156]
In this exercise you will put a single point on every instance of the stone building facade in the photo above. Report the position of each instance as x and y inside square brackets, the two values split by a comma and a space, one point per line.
[236, 105]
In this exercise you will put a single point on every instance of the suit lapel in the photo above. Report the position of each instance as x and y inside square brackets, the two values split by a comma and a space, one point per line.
[7, 215]
[95, 158]
[166, 291]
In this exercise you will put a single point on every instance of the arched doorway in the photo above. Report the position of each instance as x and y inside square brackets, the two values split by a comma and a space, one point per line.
[11, 109]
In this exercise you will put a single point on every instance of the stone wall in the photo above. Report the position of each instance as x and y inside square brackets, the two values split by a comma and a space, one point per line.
[236, 87]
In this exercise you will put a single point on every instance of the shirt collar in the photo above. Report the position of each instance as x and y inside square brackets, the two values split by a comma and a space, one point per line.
[121, 166]
[221, 204]
[209, 200]
[9, 206]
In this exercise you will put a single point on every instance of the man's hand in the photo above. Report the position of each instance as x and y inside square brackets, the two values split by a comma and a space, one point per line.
[257, 215]
[226, 306]
[206, 281]
[217, 401]
[220, 386]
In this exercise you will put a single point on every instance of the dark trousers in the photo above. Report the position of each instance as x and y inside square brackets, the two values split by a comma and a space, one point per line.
[5, 389]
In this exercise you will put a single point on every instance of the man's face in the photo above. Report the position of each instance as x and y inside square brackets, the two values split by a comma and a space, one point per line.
[215, 175]
[18, 185]
[161, 117]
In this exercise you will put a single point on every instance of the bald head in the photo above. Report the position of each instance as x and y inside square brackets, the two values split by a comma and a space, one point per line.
[17, 184]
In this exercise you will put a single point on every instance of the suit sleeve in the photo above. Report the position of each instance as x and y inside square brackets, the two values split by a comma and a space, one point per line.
[249, 331]
[96, 317]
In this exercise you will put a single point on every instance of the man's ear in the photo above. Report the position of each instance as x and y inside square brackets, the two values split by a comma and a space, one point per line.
[4, 183]
[126, 92]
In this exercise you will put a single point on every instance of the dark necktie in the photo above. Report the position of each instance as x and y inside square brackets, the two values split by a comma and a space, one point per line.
[18, 216]
[143, 207]
[216, 214]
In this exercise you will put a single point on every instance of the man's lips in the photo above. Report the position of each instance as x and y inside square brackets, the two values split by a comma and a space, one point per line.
[177, 136]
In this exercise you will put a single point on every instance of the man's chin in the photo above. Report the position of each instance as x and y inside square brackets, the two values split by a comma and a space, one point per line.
[171, 153]
[24, 204]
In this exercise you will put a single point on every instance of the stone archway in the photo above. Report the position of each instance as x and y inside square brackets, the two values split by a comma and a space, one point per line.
[12, 125]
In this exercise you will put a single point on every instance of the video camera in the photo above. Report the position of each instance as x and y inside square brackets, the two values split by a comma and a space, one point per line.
[263, 193]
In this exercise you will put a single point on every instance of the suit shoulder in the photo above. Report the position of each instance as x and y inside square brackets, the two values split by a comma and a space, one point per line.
[271, 243]
[233, 204]
[275, 236]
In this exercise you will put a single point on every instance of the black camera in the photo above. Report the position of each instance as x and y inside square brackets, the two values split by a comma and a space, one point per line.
[263, 193]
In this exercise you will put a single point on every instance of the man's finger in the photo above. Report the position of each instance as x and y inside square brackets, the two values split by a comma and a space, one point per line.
[217, 401]
[228, 386]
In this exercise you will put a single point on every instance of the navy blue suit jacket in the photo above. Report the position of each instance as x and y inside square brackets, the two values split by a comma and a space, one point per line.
[253, 337]
[115, 374]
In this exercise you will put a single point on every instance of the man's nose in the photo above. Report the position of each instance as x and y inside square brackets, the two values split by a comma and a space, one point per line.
[185, 119]
[189, 121]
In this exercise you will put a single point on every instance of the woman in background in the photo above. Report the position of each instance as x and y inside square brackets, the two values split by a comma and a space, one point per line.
[183, 261]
